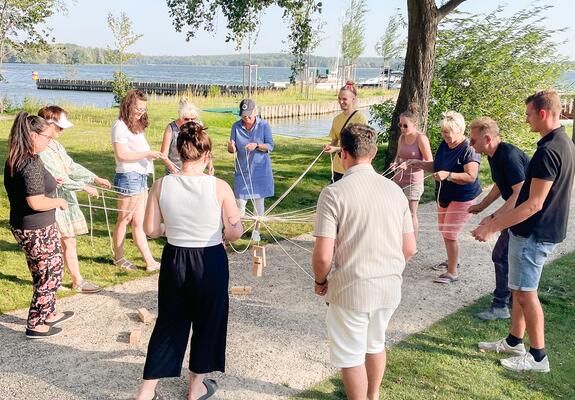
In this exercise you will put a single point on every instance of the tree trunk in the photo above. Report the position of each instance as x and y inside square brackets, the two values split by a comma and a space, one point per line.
[423, 20]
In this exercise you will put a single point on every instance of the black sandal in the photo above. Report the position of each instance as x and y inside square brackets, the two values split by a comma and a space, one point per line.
[211, 385]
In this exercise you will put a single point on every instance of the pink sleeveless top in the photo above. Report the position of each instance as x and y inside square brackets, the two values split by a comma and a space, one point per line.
[410, 151]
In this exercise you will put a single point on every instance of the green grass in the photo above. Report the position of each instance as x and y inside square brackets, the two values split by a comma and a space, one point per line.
[443, 362]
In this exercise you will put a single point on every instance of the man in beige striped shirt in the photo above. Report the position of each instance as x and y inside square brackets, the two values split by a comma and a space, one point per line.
[363, 225]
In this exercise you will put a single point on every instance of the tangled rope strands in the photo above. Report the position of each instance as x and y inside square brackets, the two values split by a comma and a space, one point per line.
[298, 180]
[286, 253]
[289, 240]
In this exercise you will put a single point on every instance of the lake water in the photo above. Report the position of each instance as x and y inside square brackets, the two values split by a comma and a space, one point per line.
[19, 84]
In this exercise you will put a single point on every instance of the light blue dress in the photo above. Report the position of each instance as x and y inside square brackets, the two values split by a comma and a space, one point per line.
[255, 164]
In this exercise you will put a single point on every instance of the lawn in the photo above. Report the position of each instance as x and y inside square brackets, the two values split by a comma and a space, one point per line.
[443, 362]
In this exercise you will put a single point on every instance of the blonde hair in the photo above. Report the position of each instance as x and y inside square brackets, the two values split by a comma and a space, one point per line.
[187, 109]
[453, 121]
[484, 125]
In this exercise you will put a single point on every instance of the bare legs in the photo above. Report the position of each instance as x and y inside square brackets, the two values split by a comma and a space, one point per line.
[527, 314]
[413, 209]
[363, 381]
[131, 212]
[452, 249]
[71, 259]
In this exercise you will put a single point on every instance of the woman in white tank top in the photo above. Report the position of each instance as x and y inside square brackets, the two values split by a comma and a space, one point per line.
[190, 208]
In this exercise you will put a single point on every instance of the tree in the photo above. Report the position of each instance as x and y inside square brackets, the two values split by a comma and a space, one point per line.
[391, 45]
[124, 37]
[243, 19]
[423, 17]
[353, 31]
[20, 26]
[488, 64]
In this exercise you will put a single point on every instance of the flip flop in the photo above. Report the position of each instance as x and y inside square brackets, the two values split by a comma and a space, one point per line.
[122, 262]
[442, 266]
[157, 396]
[211, 385]
[446, 279]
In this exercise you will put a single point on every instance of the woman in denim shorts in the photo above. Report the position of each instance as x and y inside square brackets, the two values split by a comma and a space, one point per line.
[133, 164]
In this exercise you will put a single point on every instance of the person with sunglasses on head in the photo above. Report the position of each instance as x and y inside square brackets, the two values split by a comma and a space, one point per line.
[187, 111]
[133, 164]
[346, 98]
[74, 178]
[412, 145]
[30, 189]
[194, 277]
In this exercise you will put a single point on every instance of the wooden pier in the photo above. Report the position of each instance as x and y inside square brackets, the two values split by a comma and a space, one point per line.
[163, 88]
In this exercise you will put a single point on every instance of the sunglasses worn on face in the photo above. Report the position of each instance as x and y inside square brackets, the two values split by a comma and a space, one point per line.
[141, 110]
[46, 136]
[404, 126]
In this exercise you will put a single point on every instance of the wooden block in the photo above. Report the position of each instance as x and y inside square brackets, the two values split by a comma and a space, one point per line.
[241, 290]
[257, 266]
[135, 336]
[261, 250]
[145, 316]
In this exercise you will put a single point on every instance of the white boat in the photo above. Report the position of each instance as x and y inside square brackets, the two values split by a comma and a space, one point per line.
[391, 82]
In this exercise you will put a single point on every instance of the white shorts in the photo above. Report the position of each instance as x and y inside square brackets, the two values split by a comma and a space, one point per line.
[353, 334]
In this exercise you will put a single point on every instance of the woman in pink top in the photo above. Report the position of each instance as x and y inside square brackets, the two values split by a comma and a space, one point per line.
[412, 145]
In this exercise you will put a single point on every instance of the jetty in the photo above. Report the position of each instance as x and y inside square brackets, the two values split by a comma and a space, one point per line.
[162, 88]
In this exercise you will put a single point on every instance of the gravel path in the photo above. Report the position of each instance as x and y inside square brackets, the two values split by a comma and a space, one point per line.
[277, 343]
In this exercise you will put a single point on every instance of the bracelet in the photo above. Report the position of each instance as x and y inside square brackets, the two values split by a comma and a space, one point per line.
[322, 283]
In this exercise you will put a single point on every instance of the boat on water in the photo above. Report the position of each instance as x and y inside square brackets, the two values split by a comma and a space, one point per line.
[391, 81]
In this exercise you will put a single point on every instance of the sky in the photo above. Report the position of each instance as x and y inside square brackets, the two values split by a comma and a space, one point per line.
[85, 24]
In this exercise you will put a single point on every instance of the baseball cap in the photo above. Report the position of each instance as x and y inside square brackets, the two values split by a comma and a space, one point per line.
[246, 107]
[62, 122]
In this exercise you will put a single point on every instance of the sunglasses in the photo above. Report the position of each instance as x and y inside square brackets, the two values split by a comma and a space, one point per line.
[46, 136]
[141, 109]
[403, 126]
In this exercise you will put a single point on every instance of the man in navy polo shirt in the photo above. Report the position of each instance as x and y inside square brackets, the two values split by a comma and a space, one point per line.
[538, 223]
[508, 165]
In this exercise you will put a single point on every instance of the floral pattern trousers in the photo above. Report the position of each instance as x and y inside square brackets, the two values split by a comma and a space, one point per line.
[45, 260]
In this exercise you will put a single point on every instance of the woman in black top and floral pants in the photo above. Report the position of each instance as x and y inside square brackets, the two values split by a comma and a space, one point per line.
[29, 186]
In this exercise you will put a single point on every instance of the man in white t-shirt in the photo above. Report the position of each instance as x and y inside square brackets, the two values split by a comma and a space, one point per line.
[364, 226]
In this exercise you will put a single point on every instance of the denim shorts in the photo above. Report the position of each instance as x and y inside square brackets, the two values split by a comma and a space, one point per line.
[526, 259]
[130, 183]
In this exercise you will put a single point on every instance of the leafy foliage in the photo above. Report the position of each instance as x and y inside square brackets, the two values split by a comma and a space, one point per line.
[124, 36]
[392, 44]
[120, 86]
[353, 31]
[488, 64]
[381, 116]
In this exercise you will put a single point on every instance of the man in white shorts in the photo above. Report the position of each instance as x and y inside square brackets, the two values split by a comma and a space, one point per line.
[364, 226]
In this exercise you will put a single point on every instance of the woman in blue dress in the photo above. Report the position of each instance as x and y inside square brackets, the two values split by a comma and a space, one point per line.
[251, 140]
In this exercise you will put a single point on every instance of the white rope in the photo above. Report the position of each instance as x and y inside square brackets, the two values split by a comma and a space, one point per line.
[294, 184]
[91, 223]
[285, 238]
[286, 253]
[108, 226]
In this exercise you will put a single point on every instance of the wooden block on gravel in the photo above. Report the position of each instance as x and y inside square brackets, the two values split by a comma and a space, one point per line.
[261, 250]
[135, 336]
[241, 290]
[257, 267]
[145, 316]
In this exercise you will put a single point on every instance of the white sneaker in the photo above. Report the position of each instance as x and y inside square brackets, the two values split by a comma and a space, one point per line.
[256, 236]
[501, 346]
[526, 362]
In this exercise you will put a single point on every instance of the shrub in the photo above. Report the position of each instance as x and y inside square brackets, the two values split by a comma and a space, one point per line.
[120, 86]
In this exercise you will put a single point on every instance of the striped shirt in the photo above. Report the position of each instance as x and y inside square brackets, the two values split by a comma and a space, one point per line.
[367, 216]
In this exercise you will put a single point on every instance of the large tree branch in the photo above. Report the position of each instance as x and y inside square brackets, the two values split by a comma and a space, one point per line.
[447, 8]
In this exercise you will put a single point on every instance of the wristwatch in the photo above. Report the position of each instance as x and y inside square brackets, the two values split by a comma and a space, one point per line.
[448, 179]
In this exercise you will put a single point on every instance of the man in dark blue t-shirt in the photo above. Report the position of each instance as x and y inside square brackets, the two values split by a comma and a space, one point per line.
[508, 165]
[538, 223]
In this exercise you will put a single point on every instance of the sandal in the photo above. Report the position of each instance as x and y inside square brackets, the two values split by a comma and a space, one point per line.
[122, 262]
[211, 385]
[442, 266]
[446, 278]
[157, 396]
[154, 267]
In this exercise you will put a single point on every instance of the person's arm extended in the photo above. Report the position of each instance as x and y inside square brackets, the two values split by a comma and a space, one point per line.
[153, 217]
[233, 228]
[425, 148]
[510, 202]
[321, 258]
[41, 202]
[537, 194]
[493, 195]
[123, 155]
